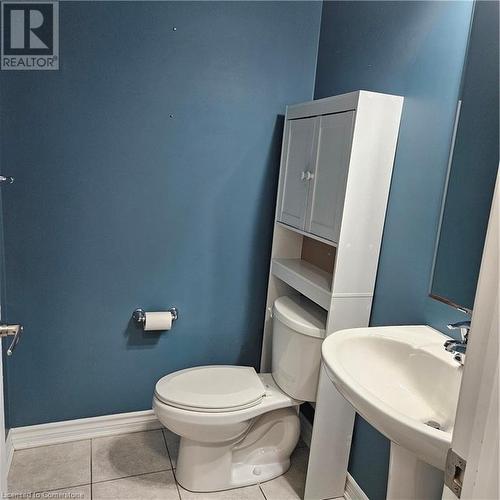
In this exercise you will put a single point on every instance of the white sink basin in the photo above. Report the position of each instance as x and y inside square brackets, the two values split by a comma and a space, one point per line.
[402, 381]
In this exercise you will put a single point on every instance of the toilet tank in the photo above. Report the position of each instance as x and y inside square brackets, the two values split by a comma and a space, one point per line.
[298, 332]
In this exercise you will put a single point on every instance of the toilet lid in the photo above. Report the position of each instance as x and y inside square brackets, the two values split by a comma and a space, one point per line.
[214, 388]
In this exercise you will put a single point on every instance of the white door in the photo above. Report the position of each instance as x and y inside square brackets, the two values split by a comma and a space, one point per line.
[476, 432]
[330, 175]
[298, 144]
[3, 454]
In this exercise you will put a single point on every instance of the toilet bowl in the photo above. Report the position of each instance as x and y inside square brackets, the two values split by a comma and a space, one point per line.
[235, 446]
[238, 427]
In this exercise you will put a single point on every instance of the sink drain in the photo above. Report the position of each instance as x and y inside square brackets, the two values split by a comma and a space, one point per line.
[433, 424]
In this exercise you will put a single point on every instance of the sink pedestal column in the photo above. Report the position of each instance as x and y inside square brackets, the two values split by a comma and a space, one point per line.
[412, 479]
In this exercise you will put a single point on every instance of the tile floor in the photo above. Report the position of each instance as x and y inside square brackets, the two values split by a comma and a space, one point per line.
[139, 466]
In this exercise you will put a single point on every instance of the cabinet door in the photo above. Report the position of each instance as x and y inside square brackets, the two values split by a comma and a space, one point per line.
[330, 175]
[295, 184]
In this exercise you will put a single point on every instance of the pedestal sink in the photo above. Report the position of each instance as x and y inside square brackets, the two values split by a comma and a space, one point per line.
[402, 381]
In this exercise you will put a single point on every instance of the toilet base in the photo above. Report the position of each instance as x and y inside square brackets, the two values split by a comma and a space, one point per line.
[263, 453]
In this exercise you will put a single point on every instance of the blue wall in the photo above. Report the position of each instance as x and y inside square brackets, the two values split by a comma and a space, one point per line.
[414, 49]
[118, 204]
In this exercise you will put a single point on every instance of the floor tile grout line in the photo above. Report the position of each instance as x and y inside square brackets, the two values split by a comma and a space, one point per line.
[177, 485]
[52, 489]
[91, 477]
[132, 475]
[171, 464]
[168, 451]
[262, 491]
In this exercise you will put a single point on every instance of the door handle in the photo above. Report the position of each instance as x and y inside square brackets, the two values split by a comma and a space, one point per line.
[16, 331]
[306, 176]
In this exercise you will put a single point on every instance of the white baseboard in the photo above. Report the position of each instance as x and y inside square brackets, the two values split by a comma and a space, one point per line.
[83, 428]
[352, 489]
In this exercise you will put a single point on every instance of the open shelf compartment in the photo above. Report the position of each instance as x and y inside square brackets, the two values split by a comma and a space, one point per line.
[306, 278]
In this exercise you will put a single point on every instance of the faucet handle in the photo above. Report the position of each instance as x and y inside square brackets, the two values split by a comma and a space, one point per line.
[463, 326]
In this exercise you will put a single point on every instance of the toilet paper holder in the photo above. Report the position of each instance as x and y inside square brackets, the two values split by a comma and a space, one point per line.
[139, 316]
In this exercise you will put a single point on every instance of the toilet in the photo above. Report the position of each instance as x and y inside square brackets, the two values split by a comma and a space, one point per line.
[238, 427]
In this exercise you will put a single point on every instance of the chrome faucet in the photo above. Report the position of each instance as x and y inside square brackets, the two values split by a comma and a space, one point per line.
[458, 347]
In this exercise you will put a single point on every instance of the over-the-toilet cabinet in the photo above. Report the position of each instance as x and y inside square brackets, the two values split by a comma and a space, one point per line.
[336, 165]
[313, 179]
[335, 175]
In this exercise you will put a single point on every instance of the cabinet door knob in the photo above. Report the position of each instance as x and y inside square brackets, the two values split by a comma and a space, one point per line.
[309, 176]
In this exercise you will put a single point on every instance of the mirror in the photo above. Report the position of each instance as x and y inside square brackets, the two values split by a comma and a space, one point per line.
[473, 167]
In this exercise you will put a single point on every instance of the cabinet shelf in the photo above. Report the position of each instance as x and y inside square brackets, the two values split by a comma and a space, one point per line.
[306, 278]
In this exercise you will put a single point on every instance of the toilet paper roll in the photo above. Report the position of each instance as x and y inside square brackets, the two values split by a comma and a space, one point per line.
[158, 321]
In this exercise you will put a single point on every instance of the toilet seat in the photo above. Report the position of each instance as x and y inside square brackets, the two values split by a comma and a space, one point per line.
[186, 418]
[211, 389]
